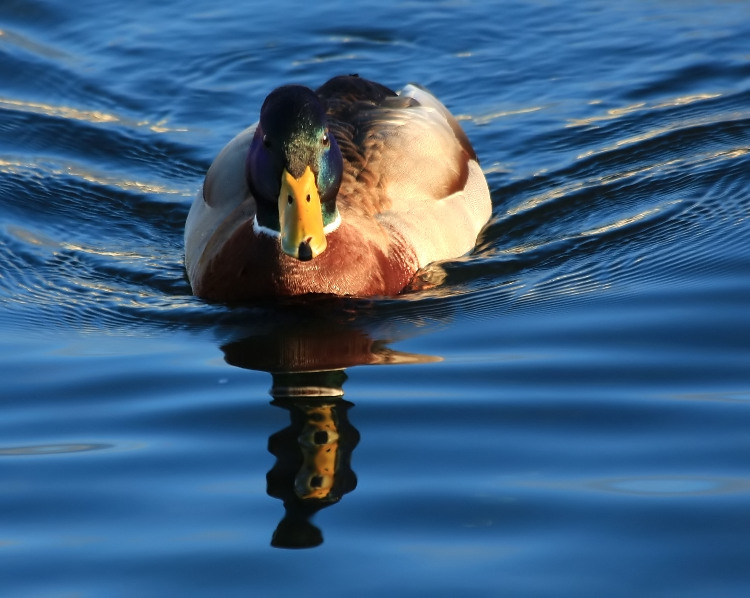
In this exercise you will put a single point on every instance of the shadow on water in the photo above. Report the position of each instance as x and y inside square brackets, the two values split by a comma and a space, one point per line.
[307, 357]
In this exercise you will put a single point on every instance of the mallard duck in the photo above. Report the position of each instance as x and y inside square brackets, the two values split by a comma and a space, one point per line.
[346, 190]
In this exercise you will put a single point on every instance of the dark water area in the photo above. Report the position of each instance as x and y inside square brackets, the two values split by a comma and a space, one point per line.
[566, 412]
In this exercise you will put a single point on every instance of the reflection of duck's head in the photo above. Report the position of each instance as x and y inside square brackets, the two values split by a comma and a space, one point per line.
[319, 441]
[313, 463]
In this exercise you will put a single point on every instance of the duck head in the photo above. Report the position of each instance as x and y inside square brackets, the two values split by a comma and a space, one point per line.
[294, 168]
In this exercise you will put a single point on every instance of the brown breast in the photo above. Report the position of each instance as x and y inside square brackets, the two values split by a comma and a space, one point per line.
[251, 265]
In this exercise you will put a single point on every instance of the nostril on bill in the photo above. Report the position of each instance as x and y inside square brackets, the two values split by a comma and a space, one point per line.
[304, 252]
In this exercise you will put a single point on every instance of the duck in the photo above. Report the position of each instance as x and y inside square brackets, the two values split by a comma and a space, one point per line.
[349, 189]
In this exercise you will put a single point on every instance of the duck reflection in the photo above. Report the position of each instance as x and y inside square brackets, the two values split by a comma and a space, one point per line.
[313, 454]
[313, 463]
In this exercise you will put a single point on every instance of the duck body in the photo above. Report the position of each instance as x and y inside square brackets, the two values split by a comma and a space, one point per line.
[348, 190]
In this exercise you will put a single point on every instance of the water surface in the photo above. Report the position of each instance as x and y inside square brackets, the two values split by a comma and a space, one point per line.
[565, 413]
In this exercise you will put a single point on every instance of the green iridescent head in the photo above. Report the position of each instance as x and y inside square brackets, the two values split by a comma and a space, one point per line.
[294, 168]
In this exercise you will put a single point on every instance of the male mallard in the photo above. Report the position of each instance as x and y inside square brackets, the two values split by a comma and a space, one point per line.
[347, 190]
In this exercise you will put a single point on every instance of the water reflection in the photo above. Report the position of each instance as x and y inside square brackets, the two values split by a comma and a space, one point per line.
[313, 465]
[313, 453]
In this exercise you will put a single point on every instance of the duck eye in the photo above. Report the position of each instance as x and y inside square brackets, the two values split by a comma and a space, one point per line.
[324, 140]
[266, 141]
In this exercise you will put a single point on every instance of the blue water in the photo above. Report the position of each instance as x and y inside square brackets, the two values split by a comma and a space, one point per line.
[566, 413]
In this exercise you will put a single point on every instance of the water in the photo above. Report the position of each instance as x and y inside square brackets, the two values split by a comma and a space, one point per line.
[565, 414]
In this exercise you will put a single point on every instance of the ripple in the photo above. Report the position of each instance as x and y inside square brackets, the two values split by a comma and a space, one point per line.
[612, 219]
[670, 486]
[51, 449]
[32, 46]
[82, 114]
[617, 113]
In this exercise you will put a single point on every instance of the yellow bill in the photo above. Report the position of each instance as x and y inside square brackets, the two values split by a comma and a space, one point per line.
[301, 216]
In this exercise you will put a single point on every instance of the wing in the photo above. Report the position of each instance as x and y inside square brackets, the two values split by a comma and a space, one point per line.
[398, 149]
[409, 165]
[224, 191]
